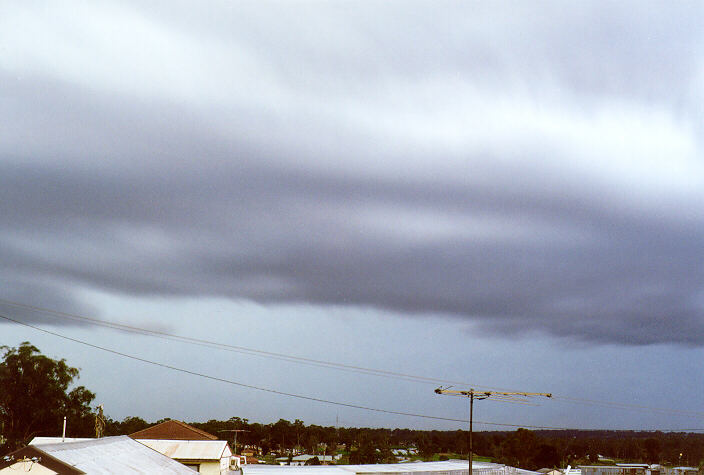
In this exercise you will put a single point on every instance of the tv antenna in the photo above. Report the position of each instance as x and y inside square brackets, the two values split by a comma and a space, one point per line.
[472, 394]
[99, 422]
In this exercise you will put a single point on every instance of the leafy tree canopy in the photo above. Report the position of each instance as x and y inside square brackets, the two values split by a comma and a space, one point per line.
[35, 396]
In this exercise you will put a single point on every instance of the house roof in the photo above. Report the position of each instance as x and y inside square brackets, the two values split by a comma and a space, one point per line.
[57, 440]
[425, 468]
[173, 430]
[45, 460]
[205, 450]
[306, 457]
[113, 455]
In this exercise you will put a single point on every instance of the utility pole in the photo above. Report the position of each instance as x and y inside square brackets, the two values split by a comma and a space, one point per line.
[479, 395]
[234, 448]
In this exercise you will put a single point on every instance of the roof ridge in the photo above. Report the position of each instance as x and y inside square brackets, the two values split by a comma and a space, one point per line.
[200, 431]
[172, 422]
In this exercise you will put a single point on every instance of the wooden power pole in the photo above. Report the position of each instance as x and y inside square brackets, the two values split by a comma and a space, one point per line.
[234, 448]
[478, 395]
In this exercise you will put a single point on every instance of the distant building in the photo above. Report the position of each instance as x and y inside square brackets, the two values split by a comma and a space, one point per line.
[550, 471]
[683, 471]
[633, 469]
[300, 460]
[193, 447]
[250, 450]
[212, 457]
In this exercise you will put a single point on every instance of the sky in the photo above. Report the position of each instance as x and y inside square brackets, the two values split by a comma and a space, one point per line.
[489, 194]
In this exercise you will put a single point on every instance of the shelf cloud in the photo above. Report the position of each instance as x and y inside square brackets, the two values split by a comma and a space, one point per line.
[522, 172]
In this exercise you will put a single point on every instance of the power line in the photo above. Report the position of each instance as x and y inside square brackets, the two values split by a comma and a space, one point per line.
[258, 388]
[232, 348]
[299, 396]
[328, 364]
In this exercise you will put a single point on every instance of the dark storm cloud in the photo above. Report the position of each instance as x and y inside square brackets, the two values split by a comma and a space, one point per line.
[430, 167]
[276, 238]
[41, 295]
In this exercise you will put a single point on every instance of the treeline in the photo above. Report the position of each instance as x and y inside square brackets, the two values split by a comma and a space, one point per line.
[36, 393]
[521, 448]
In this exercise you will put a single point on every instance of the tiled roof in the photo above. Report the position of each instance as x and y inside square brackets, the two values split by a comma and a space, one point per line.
[173, 430]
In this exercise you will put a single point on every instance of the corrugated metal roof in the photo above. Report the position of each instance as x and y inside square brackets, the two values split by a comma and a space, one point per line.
[51, 464]
[114, 455]
[58, 440]
[445, 468]
[306, 457]
[190, 449]
[293, 470]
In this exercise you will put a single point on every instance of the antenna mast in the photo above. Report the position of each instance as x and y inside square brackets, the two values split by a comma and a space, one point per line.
[99, 422]
[479, 395]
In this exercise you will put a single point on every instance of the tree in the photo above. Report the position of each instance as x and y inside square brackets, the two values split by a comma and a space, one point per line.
[35, 396]
[298, 426]
[365, 452]
[546, 456]
[593, 455]
[426, 446]
[128, 426]
[281, 433]
[518, 448]
[652, 450]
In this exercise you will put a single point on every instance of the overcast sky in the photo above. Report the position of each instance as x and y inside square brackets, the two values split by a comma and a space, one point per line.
[502, 194]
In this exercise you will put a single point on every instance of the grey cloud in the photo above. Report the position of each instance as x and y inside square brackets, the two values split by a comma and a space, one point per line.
[246, 236]
[17, 288]
[280, 192]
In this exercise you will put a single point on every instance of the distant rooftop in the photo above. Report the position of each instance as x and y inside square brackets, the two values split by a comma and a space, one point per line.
[173, 430]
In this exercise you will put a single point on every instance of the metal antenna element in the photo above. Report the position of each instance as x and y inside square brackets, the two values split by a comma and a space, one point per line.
[479, 395]
[99, 422]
